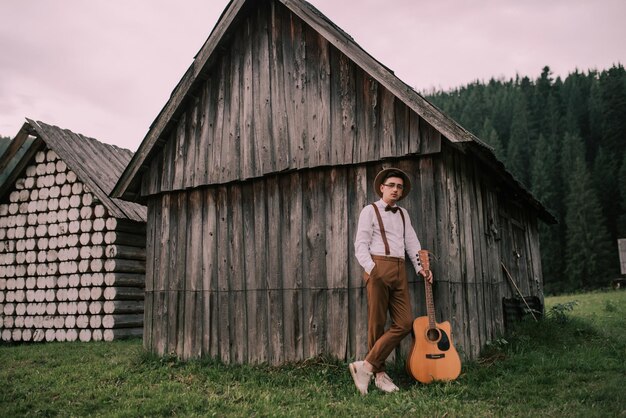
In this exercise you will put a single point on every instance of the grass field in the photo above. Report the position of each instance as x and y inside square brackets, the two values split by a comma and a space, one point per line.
[570, 364]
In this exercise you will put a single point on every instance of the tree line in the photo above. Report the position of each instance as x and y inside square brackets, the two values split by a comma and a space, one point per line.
[565, 140]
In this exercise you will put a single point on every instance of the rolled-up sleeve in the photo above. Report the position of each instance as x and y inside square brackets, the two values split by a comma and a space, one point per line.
[412, 243]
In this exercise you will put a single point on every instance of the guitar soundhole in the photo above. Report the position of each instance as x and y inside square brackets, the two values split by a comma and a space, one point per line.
[433, 334]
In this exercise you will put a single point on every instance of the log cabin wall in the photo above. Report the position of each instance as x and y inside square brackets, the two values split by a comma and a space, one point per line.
[72, 261]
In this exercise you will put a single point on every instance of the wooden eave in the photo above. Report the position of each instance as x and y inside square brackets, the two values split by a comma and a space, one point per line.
[519, 191]
[17, 156]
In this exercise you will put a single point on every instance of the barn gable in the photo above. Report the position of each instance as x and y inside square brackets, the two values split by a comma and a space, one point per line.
[72, 260]
[277, 86]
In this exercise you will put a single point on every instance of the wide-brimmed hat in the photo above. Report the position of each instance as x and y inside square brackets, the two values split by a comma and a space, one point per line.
[395, 172]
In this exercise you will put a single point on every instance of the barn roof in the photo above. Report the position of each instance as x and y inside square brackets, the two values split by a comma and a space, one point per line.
[96, 164]
[130, 180]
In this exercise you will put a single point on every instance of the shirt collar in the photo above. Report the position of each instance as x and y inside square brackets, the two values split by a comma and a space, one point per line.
[381, 204]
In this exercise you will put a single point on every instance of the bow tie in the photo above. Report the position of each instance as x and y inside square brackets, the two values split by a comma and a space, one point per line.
[393, 209]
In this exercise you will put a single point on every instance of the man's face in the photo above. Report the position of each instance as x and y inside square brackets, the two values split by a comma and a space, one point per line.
[392, 189]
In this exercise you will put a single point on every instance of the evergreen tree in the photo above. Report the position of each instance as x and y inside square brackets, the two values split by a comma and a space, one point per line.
[613, 87]
[473, 113]
[606, 184]
[622, 188]
[542, 98]
[543, 175]
[596, 116]
[490, 136]
[518, 148]
[587, 250]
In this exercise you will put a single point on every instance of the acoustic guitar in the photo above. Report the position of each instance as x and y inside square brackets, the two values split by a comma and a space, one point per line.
[432, 356]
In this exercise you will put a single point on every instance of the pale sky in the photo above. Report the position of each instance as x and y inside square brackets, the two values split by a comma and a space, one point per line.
[105, 68]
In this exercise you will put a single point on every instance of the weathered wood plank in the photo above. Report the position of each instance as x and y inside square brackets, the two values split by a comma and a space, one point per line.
[191, 142]
[210, 241]
[257, 286]
[237, 274]
[335, 137]
[468, 254]
[280, 129]
[387, 136]
[415, 138]
[161, 313]
[358, 190]
[225, 336]
[248, 155]
[299, 146]
[216, 174]
[431, 138]
[401, 126]
[248, 264]
[190, 324]
[211, 314]
[181, 269]
[318, 98]
[204, 135]
[347, 71]
[314, 274]
[287, 37]
[162, 279]
[168, 159]
[229, 151]
[275, 247]
[151, 245]
[336, 210]
[148, 317]
[195, 244]
[179, 149]
[291, 201]
[262, 91]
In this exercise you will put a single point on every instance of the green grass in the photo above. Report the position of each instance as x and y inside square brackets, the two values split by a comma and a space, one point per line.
[572, 365]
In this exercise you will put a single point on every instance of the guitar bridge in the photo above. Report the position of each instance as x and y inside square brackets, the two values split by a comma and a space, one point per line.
[435, 356]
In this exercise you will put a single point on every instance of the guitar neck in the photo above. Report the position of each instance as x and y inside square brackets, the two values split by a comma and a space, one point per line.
[424, 257]
[430, 305]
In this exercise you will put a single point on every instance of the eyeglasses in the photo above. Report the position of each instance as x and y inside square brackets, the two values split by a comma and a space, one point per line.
[392, 185]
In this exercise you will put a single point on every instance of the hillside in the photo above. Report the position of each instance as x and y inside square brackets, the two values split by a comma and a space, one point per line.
[566, 141]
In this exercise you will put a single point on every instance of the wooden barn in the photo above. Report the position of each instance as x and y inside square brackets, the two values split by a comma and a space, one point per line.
[72, 260]
[254, 174]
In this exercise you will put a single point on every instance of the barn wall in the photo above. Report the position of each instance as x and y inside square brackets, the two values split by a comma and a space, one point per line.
[277, 97]
[264, 270]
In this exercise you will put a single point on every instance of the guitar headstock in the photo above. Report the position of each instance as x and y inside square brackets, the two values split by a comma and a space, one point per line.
[424, 257]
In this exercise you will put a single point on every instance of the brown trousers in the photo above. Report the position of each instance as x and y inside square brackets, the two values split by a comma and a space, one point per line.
[387, 290]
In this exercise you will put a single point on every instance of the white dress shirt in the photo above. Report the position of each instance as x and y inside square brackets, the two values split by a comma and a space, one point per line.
[401, 238]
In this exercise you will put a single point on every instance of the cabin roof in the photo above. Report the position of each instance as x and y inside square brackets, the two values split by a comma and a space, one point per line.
[96, 164]
[129, 182]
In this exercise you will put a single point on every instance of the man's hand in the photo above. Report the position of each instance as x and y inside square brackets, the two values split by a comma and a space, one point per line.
[428, 275]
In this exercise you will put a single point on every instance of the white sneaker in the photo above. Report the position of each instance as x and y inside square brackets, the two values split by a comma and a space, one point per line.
[384, 383]
[360, 376]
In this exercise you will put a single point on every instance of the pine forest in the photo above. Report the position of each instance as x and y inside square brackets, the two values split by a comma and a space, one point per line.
[565, 140]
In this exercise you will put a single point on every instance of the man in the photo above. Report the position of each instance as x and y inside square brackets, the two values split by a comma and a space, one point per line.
[384, 235]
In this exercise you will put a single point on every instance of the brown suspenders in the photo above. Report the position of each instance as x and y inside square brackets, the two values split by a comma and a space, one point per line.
[382, 227]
